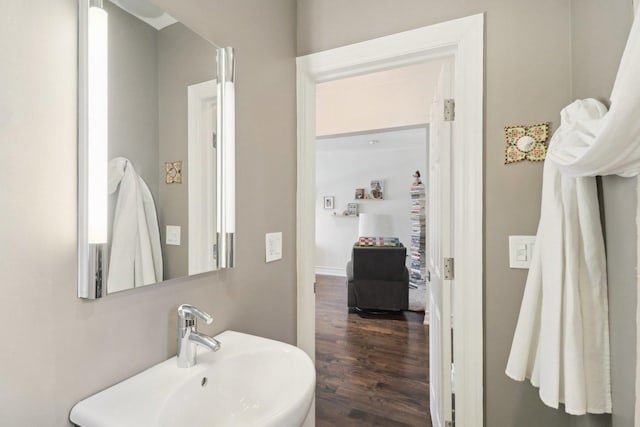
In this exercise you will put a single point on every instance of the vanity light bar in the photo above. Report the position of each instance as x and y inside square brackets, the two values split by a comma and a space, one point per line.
[97, 125]
[92, 148]
[226, 183]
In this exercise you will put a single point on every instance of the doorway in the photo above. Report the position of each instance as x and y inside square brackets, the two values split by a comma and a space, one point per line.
[363, 357]
[461, 40]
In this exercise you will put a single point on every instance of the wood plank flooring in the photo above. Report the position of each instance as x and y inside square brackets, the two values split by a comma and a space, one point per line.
[371, 370]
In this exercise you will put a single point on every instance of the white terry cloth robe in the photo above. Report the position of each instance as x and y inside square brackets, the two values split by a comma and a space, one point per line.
[136, 257]
[561, 342]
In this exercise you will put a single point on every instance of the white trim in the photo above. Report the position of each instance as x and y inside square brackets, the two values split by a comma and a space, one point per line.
[306, 208]
[331, 271]
[201, 163]
[636, 11]
[462, 39]
[637, 382]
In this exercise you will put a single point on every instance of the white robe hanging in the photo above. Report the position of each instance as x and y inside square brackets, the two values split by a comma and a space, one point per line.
[136, 257]
[561, 340]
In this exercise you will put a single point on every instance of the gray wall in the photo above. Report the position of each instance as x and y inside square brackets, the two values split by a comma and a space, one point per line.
[133, 94]
[57, 349]
[599, 33]
[184, 58]
[528, 54]
[149, 71]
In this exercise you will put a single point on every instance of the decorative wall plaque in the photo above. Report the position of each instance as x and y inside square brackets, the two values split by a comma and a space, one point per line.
[174, 172]
[526, 143]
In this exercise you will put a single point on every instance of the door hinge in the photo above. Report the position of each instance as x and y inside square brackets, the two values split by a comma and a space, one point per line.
[314, 287]
[449, 424]
[448, 269]
[449, 110]
[214, 140]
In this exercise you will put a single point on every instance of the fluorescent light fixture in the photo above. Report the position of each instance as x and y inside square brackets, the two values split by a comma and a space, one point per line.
[226, 173]
[97, 125]
[92, 148]
[229, 157]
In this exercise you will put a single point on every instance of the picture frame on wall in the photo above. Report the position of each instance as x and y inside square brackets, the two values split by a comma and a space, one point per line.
[359, 193]
[377, 189]
[352, 209]
[329, 202]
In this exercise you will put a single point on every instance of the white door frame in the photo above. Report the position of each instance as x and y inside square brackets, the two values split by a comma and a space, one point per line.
[636, 11]
[462, 39]
[439, 247]
[201, 164]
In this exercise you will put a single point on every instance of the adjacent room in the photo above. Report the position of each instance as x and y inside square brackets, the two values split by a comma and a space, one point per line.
[370, 245]
[345, 164]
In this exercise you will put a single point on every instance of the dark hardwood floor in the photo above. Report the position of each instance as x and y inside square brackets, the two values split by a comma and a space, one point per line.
[371, 370]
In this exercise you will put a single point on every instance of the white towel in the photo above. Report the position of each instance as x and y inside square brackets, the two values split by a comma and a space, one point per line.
[561, 340]
[136, 257]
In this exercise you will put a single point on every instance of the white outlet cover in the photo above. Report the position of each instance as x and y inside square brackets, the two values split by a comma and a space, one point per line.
[273, 246]
[173, 235]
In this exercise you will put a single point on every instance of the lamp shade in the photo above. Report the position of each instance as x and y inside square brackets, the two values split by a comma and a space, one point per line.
[374, 225]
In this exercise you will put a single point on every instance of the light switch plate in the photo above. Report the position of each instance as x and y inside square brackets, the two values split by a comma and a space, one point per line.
[521, 251]
[273, 246]
[173, 235]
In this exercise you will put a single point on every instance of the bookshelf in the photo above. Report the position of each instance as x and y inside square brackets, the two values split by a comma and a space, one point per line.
[418, 265]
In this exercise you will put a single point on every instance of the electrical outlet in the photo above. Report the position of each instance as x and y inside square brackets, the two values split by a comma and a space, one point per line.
[273, 246]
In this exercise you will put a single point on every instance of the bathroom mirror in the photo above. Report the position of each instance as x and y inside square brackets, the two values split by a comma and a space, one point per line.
[155, 149]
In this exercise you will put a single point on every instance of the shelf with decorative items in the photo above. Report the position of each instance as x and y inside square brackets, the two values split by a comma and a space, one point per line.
[351, 211]
[376, 192]
[417, 249]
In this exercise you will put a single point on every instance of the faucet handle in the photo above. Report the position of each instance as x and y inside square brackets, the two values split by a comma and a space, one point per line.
[188, 312]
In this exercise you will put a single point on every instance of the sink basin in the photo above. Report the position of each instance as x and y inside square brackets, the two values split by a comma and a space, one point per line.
[251, 381]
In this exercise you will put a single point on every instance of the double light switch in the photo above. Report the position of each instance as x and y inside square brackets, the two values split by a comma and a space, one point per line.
[273, 246]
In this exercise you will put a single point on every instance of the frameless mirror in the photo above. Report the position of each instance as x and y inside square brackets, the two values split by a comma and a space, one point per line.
[156, 152]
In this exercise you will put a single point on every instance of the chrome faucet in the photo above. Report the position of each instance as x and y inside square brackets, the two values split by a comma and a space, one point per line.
[188, 335]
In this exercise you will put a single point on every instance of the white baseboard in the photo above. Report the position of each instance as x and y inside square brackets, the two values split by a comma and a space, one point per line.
[331, 271]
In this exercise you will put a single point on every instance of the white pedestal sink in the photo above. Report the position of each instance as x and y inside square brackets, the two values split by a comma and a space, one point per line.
[251, 381]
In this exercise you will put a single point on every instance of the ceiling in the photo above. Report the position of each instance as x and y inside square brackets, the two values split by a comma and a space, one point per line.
[389, 139]
[393, 98]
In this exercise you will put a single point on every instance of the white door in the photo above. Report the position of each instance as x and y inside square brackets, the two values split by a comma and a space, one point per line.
[201, 155]
[440, 247]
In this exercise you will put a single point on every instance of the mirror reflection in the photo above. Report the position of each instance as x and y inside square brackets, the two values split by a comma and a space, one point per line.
[161, 147]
